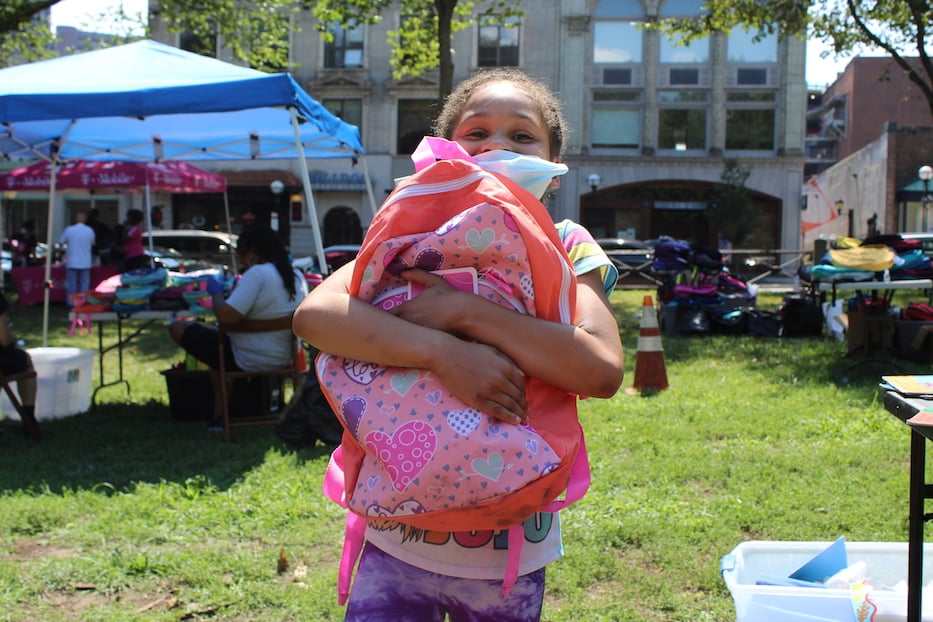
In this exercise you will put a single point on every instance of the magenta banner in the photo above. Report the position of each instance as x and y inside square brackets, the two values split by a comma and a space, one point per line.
[171, 176]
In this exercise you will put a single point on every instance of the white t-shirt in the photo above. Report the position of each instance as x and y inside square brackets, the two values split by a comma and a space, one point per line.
[80, 240]
[260, 295]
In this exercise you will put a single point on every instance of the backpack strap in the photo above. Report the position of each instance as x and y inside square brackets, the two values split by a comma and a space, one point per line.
[431, 149]
[577, 486]
[355, 532]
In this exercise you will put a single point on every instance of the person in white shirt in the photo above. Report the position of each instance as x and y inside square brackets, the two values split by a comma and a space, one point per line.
[269, 289]
[79, 240]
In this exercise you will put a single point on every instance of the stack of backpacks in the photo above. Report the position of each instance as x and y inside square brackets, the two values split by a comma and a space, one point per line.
[697, 292]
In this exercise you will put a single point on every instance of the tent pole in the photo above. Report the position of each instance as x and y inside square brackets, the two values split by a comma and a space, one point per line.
[309, 198]
[369, 187]
[149, 219]
[47, 282]
[230, 230]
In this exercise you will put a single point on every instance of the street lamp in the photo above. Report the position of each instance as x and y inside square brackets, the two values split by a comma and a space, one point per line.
[925, 173]
[594, 180]
[277, 187]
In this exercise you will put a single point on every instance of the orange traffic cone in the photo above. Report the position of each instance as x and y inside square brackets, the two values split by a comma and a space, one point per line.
[650, 374]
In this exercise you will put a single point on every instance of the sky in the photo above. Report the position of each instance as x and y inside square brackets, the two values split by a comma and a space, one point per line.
[81, 14]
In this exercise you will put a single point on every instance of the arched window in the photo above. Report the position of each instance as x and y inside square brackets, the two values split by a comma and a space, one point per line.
[342, 226]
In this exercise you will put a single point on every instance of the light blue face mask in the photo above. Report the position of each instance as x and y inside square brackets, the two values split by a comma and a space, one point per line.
[532, 173]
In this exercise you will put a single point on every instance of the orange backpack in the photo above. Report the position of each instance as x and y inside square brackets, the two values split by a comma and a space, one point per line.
[453, 214]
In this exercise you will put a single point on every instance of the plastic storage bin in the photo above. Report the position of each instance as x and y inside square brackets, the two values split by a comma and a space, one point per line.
[64, 382]
[886, 568]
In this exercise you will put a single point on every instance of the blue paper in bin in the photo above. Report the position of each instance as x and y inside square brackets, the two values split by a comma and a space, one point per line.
[886, 567]
[825, 564]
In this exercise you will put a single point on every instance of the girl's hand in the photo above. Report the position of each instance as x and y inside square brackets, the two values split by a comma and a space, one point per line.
[484, 379]
[438, 304]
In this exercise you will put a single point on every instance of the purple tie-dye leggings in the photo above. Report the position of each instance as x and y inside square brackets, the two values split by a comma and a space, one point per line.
[388, 590]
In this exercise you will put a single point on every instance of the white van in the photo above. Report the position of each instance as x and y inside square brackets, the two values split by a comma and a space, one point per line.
[215, 247]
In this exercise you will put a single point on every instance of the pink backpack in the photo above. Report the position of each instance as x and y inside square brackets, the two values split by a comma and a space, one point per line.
[411, 451]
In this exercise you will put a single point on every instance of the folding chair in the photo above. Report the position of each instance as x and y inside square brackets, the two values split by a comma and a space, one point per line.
[295, 370]
[30, 424]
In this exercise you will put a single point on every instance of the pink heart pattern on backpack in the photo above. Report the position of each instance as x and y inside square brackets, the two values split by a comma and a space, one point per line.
[425, 449]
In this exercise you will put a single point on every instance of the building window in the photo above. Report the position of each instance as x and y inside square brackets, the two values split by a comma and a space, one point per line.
[346, 50]
[498, 44]
[617, 77]
[616, 42]
[682, 120]
[414, 123]
[751, 77]
[750, 130]
[750, 120]
[616, 128]
[616, 120]
[349, 110]
[674, 52]
[742, 48]
[681, 8]
[684, 77]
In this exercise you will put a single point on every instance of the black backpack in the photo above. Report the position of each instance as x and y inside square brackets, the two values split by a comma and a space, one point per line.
[309, 419]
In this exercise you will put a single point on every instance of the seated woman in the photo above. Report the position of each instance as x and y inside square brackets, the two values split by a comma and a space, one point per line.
[269, 290]
[15, 360]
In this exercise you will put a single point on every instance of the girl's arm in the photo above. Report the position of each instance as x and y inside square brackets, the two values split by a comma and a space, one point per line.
[584, 358]
[480, 375]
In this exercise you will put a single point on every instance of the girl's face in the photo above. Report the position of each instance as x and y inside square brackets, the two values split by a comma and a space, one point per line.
[500, 116]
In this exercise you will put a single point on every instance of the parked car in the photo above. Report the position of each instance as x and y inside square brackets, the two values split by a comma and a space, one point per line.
[172, 260]
[215, 248]
[628, 254]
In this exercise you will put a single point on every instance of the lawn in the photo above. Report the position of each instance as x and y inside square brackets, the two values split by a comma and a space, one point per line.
[123, 513]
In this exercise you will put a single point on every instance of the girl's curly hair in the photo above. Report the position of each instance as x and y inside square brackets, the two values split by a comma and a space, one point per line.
[548, 103]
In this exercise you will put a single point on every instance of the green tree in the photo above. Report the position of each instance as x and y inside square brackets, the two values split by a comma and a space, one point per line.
[25, 38]
[22, 37]
[423, 40]
[730, 209]
[900, 28]
[255, 31]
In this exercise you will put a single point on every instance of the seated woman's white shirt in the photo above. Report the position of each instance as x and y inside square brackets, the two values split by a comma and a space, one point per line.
[260, 295]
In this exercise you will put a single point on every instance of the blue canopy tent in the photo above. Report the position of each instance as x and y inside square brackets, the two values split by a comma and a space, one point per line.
[146, 101]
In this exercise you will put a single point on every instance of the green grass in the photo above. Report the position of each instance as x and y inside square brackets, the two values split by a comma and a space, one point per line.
[126, 514]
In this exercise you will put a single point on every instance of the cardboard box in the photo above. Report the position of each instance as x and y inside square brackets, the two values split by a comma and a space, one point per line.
[885, 564]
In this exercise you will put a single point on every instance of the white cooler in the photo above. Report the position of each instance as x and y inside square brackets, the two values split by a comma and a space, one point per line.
[64, 382]
[885, 568]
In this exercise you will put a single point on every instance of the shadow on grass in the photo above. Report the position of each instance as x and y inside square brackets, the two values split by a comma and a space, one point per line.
[116, 446]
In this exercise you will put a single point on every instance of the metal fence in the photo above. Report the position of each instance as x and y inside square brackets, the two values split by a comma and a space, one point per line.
[750, 265]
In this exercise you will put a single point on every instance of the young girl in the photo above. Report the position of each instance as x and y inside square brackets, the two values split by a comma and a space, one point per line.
[408, 574]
